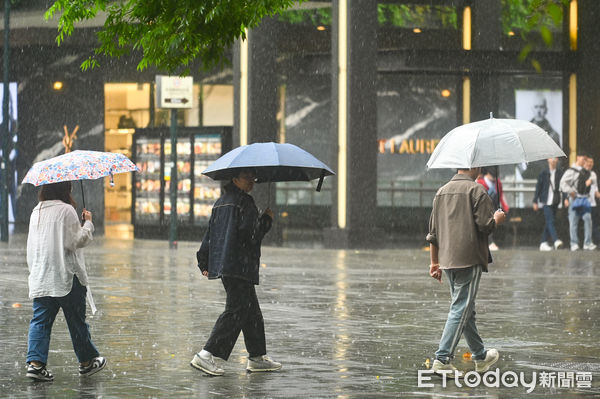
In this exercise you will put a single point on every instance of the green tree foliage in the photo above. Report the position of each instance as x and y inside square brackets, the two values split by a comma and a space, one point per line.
[170, 34]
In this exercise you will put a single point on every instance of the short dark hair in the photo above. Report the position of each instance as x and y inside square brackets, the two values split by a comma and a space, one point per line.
[57, 191]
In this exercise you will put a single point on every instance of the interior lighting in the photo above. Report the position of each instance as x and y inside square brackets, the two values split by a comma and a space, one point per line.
[417, 30]
[511, 33]
[573, 25]
[58, 85]
[244, 90]
[321, 28]
[467, 28]
[446, 93]
[572, 117]
[342, 111]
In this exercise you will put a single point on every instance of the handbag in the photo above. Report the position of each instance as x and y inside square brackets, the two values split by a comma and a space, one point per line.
[582, 205]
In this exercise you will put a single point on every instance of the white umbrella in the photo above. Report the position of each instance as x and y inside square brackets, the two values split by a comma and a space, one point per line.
[493, 142]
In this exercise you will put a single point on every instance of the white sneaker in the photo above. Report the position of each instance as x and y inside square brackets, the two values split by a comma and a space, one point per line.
[207, 365]
[558, 244]
[590, 247]
[574, 247]
[545, 246]
[262, 363]
[493, 247]
[491, 357]
[438, 366]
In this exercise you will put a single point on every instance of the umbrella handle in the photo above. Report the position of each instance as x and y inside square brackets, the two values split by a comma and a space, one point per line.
[269, 196]
[498, 185]
[83, 200]
[320, 181]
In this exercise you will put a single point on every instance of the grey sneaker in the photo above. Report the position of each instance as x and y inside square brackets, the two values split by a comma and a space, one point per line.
[439, 368]
[262, 363]
[207, 365]
[491, 357]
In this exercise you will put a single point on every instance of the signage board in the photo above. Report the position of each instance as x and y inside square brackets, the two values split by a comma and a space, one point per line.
[174, 91]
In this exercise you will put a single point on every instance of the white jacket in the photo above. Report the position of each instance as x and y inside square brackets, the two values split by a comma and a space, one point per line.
[54, 251]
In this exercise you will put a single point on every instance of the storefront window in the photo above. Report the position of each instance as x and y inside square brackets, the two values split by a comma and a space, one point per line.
[530, 25]
[413, 114]
[304, 95]
[538, 99]
[408, 26]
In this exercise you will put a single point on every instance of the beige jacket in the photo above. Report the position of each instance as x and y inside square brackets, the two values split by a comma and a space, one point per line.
[461, 220]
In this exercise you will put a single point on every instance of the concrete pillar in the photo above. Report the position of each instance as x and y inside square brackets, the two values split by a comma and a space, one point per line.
[487, 35]
[588, 78]
[354, 112]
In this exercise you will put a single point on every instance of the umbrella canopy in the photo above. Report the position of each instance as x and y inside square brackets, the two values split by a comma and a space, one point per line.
[493, 142]
[78, 165]
[272, 162]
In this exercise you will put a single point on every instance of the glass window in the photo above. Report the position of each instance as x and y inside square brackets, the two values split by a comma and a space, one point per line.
[413, 114]
[538, 99]
[304, 92]
[403, 26]
[526, 22]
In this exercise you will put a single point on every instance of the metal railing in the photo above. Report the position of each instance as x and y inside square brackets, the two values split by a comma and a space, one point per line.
[518, 194]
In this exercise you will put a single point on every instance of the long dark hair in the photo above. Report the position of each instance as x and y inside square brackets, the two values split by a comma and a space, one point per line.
[57, 191]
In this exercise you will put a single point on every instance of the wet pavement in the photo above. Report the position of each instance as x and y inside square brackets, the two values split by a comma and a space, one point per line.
[344, 323]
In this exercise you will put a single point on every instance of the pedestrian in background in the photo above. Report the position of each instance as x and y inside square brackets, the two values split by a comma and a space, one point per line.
[461, 220]
[576, 186]
[58, 279]
[493, 186]
[548, 197]
[594, 196]
[230, 251]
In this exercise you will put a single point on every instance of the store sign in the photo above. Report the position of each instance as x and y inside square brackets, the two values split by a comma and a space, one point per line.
[407, 146]
[174, 91]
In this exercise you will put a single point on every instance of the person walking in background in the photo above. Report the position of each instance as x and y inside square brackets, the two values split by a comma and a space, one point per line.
[594, 196]
[58, 279]
[575, 186]
[548, 197]
[461, 220]
[230, 251]
[488, 179]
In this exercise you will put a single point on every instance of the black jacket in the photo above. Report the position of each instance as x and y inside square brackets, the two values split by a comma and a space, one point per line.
[231, 245]
[543, 183]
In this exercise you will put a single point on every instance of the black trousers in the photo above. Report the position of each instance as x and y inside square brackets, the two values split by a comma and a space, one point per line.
[242, 313]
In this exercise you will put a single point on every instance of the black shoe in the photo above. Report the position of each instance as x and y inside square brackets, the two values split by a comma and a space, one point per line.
[96, 364]
[39, 373]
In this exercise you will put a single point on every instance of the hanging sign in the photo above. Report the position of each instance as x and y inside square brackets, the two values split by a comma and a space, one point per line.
[174, 91]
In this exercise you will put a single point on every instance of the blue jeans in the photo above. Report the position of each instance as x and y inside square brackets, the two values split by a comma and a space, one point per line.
[44, 313]
[549, 229]
[464, 284]
[574, 218]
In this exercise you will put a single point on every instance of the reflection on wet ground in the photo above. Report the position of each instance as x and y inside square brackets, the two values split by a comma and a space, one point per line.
[345, 324]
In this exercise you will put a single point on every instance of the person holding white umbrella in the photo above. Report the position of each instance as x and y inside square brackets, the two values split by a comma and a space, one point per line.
[461, 220]
[463, 217]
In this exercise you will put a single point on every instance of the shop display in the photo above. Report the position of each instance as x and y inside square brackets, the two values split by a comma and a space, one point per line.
[147, 182]
[196, 193]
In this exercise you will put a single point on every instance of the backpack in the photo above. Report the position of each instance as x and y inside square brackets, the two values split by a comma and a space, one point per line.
[584, 175]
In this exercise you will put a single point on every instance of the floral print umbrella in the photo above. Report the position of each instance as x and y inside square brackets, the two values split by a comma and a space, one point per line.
[78, 165]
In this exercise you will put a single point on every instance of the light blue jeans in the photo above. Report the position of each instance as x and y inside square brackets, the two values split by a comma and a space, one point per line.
[574, 223]
[464, 284]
